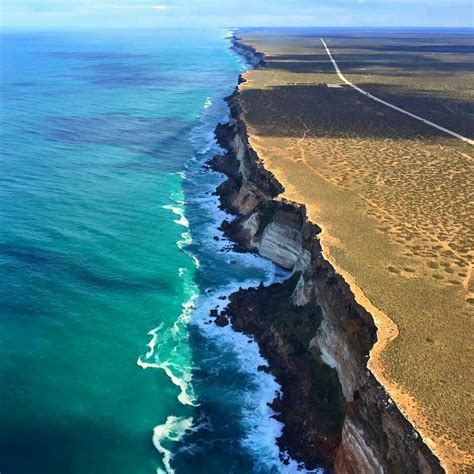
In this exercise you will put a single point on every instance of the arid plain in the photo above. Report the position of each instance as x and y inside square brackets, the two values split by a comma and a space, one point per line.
[393, 196]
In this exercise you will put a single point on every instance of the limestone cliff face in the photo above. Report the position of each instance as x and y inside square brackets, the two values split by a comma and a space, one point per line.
[251, 55]
[376, 437]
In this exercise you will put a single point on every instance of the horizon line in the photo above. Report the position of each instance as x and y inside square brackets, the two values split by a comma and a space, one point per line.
[187, 27]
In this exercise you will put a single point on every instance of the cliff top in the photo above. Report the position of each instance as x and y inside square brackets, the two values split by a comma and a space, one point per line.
[393, 196]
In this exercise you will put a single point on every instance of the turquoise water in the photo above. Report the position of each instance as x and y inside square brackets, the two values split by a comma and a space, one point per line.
[108, 362]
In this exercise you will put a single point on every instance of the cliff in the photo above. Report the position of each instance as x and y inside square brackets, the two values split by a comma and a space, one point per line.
[374, 436]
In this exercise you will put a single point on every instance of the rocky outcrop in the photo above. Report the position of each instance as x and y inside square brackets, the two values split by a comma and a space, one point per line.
[375, 437]
[281, 240]
[283, 333]
[251, 55]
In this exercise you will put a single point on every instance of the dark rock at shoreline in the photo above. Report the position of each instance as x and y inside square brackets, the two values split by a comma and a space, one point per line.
[225, 164]
[313, 408]
[283, 334]
[221, 321]
[291, 364]
[224, 133]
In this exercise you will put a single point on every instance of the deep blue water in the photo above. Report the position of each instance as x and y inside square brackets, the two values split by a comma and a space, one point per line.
[108, 362]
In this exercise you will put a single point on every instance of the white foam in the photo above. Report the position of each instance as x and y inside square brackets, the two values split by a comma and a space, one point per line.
[196, 261]
[172, 430]
[185, 241]
[147, 365]
[164, 346]
[179, 212]
[154, 339]
[182, 382]
[179, 374]
[261, 428]
[229, 33]
[186, 238]
[187, 308]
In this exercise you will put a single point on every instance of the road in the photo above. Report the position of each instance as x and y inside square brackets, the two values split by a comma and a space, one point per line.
[403, 111]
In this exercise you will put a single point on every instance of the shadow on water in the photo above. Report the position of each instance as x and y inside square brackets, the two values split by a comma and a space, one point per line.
[113, 129]
[55, 447]
[141, 136]
[34, 260]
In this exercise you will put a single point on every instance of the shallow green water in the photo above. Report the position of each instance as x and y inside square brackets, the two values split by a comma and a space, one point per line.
[109, 268]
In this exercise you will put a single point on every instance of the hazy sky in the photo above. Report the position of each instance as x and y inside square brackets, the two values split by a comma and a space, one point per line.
[144, 13]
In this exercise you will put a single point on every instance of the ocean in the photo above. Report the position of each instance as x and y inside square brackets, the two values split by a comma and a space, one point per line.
[110, 266]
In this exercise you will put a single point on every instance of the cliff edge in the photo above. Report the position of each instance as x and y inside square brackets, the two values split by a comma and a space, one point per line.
[374, 435]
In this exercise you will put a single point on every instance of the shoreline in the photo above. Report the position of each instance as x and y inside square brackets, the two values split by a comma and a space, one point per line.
[318, 450]
[261, 428]
[244, 230]
[199, 209]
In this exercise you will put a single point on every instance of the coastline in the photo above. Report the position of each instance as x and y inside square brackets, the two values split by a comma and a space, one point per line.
[187, 434]
[223, 272]
[245, 200]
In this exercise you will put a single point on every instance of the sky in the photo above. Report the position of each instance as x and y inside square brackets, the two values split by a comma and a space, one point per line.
[229, 13]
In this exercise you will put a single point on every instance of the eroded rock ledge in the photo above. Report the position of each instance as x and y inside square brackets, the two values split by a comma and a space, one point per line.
[315, 323]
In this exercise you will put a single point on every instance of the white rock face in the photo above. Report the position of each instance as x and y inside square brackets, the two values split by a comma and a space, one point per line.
[335, 353]
[357, 455]
[251, 226]
[250, 56]
[238, 148]
[282, 244]
[302, 292]
[304, 262]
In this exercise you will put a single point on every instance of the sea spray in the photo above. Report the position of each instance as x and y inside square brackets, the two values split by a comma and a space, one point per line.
[179, 211]
[97, 267]
[168, 348]
[173, 430]
[260, 427]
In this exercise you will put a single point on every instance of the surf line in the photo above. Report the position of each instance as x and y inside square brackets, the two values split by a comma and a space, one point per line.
[388, 104]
